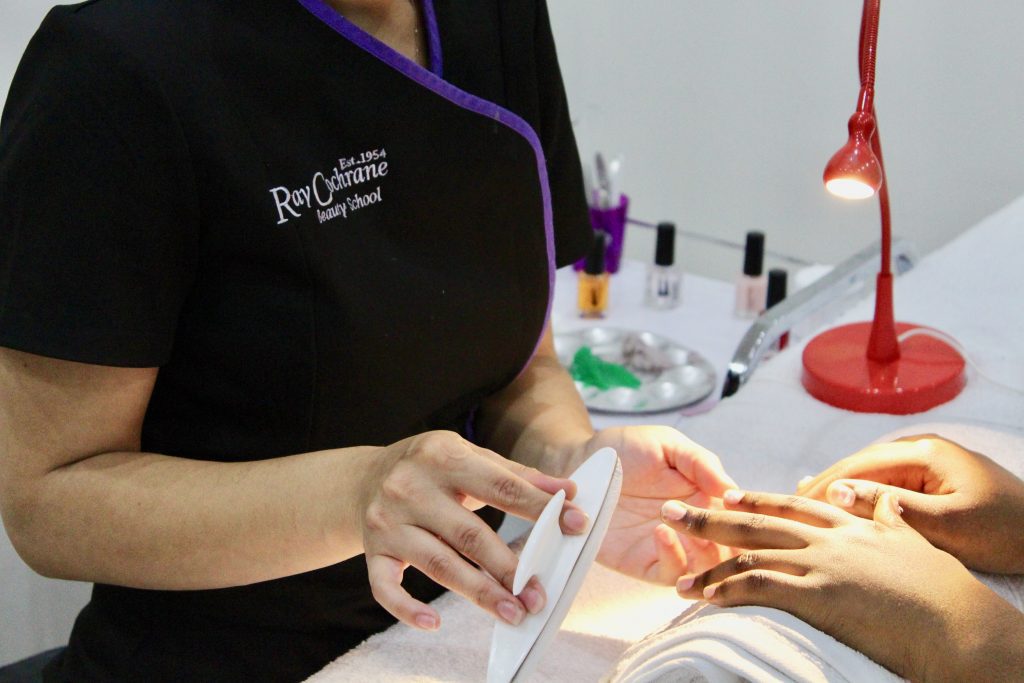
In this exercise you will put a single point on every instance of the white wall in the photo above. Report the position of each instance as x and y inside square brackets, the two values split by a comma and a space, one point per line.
[726, 112]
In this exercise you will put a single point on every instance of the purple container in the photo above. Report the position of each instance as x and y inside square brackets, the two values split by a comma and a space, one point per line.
[613, 221]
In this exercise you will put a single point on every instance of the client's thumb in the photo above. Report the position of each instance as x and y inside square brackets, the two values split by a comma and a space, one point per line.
[860, 497]
[888, 510]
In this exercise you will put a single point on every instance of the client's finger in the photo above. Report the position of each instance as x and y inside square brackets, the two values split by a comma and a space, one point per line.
[860, 497]
[738, 529]
[692, 585]
[797, 508]
[758, 587]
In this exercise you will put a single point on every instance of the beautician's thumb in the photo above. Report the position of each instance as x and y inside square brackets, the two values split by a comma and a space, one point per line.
[888, 511]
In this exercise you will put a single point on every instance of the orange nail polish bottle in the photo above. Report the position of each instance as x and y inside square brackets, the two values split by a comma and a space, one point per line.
[593, 283]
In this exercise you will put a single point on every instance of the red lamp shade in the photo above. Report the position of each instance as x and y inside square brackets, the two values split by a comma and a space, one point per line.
[854, 172]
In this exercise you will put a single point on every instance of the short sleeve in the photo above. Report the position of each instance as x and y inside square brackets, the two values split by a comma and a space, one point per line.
[98, 209]
[573, 233]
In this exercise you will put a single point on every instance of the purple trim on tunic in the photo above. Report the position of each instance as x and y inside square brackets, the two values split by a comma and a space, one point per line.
[433, 38]
[432, 81]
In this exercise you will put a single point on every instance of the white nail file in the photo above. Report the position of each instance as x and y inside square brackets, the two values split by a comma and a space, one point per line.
[560, 562]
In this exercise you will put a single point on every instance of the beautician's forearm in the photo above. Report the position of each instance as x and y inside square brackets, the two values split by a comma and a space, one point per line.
[539, 420]
[172, 523]
[79, 501]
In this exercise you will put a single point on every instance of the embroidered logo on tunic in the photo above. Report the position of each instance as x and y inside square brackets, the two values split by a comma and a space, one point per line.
[325, 192]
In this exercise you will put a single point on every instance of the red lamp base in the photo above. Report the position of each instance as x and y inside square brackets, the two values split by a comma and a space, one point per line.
[837, 371]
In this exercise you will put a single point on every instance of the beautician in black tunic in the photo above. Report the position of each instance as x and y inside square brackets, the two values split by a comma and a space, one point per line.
[269, 271]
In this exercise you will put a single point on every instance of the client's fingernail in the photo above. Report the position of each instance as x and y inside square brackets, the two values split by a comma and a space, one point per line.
[804, 481]
[732, 496]
[532, 599]
[426, 621]
[509, 612]
[673, 510]
[842, 495]
[709, 591]
[684, 583]
[895, 502]
[575, 519]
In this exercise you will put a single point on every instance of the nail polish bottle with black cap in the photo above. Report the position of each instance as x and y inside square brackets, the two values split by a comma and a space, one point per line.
[776, 294]
[663, 279]
[752, 285]
[593, 282]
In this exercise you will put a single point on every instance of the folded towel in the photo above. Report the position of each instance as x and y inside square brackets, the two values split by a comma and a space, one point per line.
[708, 644]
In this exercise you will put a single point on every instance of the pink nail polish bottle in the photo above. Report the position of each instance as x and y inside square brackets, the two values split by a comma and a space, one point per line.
[752, 285]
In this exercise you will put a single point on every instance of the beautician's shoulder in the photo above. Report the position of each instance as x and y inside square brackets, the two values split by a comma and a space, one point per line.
[159, 49]
[105, 48]
[137, 27]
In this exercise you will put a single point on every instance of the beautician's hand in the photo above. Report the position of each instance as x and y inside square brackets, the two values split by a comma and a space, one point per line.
[959, 500]
[875, 584]
[416, 511]
[659, 463]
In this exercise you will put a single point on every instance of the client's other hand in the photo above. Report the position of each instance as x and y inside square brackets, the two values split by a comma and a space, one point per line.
[959, 500]
[876, 584]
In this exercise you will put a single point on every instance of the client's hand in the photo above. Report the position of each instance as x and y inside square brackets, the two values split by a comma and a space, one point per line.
[959, 500]
[876, 585]
[659, 463]
[415, 510]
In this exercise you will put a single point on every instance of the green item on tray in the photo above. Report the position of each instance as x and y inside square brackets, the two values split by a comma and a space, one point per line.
[595, 372]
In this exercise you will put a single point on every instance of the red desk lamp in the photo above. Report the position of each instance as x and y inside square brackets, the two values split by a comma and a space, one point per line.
[865, 366]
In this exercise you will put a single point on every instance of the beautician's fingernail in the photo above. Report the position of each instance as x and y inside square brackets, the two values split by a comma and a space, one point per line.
[709, 591]
[575, 519]
[685, 583]
[804, 481]
[732, 496]
[532, 599]
[509, 612]
[673, 510]
[426, 621]
[842, 495]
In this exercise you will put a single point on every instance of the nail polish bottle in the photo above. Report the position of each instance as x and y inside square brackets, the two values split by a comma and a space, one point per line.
[663, 279]
[593, 282]
[776, 293]
[752, 286]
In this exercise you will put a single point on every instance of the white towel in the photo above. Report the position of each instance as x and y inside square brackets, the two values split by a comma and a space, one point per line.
[708, 644]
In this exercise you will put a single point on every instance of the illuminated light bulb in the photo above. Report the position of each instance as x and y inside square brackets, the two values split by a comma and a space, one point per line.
[849, 188]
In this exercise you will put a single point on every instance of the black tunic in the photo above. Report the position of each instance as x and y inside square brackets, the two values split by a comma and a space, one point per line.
[320, 243]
